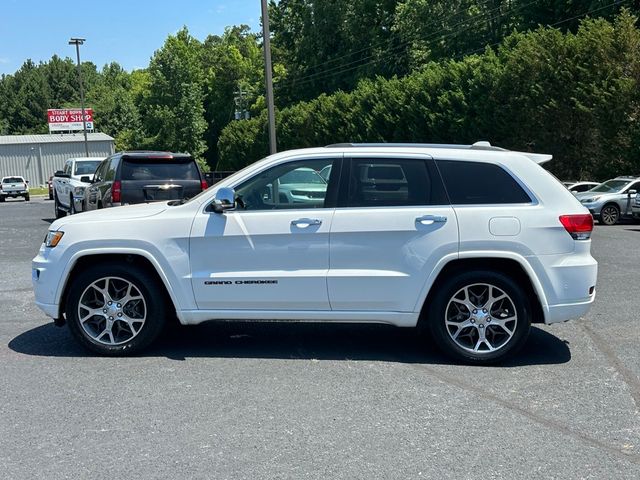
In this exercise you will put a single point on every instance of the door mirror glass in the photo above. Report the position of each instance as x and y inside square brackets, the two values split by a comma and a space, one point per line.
[85, 179]
[225, 200]
[632, 192]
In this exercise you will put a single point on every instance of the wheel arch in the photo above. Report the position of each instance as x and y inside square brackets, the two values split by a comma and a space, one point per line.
[513, 266]
[140, 259]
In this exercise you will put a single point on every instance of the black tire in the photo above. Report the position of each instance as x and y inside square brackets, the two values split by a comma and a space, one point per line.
[26, 197]
[2, 199]
[56, 207]
[72, 207]
[436, 314]
[609, 214]
[148, 285]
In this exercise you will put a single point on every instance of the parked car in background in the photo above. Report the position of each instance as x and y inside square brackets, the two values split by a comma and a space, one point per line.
[138, 177]
[577, 187]
[472, 243]
[70, 183]
[612, 200]
[14, 187]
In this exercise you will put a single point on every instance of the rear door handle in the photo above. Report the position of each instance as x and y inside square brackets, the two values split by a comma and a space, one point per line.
[431, 219]
[306, 222]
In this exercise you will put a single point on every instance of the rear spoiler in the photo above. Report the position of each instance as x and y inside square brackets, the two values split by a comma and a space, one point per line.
[538, 158]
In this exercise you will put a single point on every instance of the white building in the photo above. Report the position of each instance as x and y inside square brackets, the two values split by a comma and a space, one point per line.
[36, 157]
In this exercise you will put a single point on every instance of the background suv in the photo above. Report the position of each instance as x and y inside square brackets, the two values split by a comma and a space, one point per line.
[611, 200]
[470, 243]
[138, 177]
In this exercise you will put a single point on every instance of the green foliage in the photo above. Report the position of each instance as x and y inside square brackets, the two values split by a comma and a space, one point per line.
[573, 95]
[371, 70]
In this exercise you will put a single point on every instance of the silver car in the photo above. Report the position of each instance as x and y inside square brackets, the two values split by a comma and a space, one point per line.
[611, 200]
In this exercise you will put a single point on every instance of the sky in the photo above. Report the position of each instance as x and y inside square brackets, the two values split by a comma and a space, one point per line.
[127, 32]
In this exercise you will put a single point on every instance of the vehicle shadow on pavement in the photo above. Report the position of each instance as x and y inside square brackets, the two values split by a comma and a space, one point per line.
[291, 341]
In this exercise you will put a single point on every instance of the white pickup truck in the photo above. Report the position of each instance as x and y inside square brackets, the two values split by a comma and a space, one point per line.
[13, 187]
[70, 182]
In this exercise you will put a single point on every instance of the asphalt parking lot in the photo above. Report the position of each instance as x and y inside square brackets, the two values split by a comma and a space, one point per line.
[260, 401]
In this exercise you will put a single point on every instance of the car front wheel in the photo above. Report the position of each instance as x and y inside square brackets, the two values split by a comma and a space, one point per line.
[116, 309]
[480, 317]
[609, 215]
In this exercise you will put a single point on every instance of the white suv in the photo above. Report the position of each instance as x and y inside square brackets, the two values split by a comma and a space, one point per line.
[474, 243]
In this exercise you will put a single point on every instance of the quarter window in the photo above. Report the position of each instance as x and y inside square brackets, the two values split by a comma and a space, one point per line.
[470, 183]
[292, 185]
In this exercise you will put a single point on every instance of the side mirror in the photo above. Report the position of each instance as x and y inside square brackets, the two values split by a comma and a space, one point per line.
[632, 192]
[225, 200]
[85, 179]
[26, 181]
[61, 174]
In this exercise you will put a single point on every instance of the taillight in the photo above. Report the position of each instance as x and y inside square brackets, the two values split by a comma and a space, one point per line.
[204, 184]
[116, 191]
[579, 226]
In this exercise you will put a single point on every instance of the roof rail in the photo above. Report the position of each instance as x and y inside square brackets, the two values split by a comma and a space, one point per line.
[481, 145]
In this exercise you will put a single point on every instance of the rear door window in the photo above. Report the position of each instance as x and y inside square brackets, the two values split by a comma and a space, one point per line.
[149, 170]
[392, 182]
[472, 183]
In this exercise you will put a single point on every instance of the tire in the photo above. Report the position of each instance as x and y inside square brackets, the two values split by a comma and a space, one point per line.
[2, 199]
[27, 198]
[457, 330]
[610, 214]
[56, 207]
[72, 207]
[146, 312]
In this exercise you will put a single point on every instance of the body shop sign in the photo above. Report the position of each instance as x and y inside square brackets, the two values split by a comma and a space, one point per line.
[68, 119]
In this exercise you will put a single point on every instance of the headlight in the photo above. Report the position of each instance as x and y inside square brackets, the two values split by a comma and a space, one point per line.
[53, 238]
[79, 191]
[590, 200]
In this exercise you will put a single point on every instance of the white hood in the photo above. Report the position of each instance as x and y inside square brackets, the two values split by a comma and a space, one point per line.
[126, 212]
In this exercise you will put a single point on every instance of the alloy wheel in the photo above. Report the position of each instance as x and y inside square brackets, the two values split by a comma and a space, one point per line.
[481, 318]
[609, 215]
[112, 311]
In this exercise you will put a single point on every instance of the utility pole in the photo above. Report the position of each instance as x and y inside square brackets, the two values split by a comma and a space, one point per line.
[268, 77]
[77, 42]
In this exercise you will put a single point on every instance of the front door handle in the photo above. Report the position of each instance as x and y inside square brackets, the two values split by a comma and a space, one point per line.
[306, 222]
[431, 219]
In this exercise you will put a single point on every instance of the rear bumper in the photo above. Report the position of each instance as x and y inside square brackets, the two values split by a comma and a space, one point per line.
[568, 311]
[14, 193]
[568, 282]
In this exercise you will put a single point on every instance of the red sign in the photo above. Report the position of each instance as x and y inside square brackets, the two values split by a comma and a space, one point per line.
[67, 119]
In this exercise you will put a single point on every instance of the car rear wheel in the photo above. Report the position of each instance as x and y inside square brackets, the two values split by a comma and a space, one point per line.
[480, 317]
[115, 310]
[609, 215]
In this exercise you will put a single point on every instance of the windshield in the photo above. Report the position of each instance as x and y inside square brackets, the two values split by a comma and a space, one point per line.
[610, 186]
[12, 180]
[302, 175]
[87, 167]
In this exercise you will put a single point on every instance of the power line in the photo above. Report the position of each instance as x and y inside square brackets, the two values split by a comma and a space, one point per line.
[327, 73]
[406, 42]
[332, 72]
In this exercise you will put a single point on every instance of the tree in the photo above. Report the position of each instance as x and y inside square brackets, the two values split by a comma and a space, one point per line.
[173, 111]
